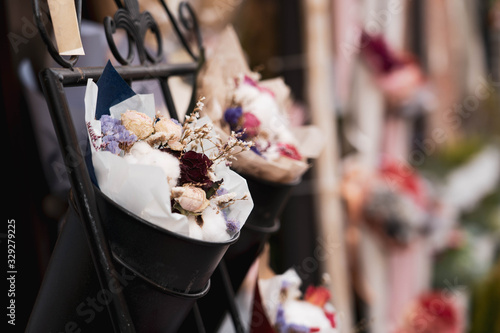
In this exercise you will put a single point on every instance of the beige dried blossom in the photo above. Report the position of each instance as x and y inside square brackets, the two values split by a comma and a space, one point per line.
[190, 198]
[138, 123]
[224, 198]
[157, 139]
[172, 131]
[233, 146]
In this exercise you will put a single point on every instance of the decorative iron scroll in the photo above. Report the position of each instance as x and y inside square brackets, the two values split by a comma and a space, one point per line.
[135, 24]
[190, 23]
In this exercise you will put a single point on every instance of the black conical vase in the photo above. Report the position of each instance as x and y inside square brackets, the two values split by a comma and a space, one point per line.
[161, 274]
[269, 200]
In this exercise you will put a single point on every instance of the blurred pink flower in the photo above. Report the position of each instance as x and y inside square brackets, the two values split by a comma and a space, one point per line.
[400, 84]
[433, 312]
[251, 124]
[253, 83]
[289, 150]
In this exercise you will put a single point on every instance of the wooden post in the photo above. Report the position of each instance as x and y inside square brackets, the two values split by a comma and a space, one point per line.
[319, 91]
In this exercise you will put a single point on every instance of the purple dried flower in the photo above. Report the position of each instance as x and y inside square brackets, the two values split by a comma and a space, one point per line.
[256, 150]
[111, 145]
[124, 136]
[232, 226]
[233, 115]
[283, 327]
[285, 284]
[222, 191]
[108, 124]
[296, 328]
[280, 318]
[115, 135]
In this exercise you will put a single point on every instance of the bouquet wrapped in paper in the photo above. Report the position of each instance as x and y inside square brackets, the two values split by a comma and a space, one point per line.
[398, 74]
[262, 111]
[174, 175]
[287, 310]
[395, 202]
[436, 312]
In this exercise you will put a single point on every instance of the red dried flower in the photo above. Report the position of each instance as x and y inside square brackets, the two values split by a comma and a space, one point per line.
[433, 313]
[317, 295]
[407, 179]
[331, 318]
[289, 151]
[194, 169]
[379, 54]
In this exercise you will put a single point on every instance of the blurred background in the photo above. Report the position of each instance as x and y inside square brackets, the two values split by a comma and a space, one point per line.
[407, 188]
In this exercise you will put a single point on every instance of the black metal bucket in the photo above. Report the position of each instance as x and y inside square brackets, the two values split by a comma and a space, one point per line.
[269, 200]
[162, 275]
[180, 263]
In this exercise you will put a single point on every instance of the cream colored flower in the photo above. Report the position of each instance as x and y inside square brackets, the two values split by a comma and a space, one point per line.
[138, 123]
[190, 198]
[172, 130]
[157, 139]
[142, 153]
[168, 126]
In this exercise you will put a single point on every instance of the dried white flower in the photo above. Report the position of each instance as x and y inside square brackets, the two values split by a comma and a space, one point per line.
[190, 198]
[224, 198]
[143, 153]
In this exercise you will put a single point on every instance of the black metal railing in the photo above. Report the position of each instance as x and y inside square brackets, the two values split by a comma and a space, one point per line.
[152, 66]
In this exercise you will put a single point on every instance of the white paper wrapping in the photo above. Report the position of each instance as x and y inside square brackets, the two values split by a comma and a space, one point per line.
[296, 311]
[224, 64]
[144, 189]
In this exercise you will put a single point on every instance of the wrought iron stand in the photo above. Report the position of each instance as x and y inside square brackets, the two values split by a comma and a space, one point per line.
[54, 80]
[150, 67]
